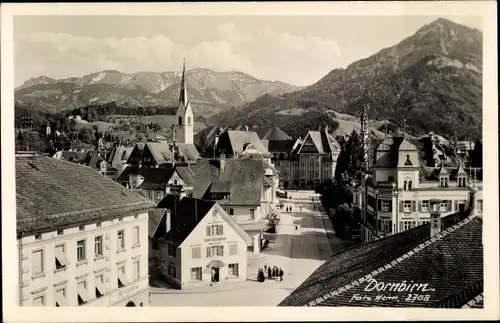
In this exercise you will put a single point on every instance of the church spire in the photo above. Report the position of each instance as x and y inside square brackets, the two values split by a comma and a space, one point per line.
[183, 96]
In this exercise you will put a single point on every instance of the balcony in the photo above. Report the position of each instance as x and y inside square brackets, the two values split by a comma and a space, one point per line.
[451, 184]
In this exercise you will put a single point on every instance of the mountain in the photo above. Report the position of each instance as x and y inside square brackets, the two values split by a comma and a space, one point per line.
[207, 89]
[432, 78]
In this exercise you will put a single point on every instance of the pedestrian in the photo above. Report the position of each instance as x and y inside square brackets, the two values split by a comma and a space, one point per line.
[269, 272]
[265, 267]
[290, 209]
[281, 274]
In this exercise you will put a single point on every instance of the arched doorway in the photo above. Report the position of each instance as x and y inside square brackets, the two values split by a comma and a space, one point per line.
[130, 304]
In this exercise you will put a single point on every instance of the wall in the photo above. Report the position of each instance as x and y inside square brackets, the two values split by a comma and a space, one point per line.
[87, 270]
[198, 238]
[242, 213]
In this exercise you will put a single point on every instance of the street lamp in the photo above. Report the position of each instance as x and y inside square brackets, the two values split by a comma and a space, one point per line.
[396, 194]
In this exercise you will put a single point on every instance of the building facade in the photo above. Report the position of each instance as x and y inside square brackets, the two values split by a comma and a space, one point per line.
[399, 191]
[71, 254]
[203, 245]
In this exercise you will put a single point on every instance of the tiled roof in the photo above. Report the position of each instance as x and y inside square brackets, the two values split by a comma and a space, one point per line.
[118, 154]
[186, 173]
[324, 142]
[390, 146]
[188, 151]
[210, 134]
[236, 141]
[281, 146]
[275, 133]
[74, 156]
[220, 187]
[94, 159]
[186, 215]
[260, 131]
[155, 220]
[52, 193]
[449, 263]
[265, 143]
[246, 177]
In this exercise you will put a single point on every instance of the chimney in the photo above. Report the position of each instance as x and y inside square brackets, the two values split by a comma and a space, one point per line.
[222, 161]
[435, 217]
[168, 219]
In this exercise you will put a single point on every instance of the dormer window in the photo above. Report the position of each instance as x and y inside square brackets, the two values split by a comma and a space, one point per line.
[180, 121]
[443, 181]
[462, 181]
[408, 161]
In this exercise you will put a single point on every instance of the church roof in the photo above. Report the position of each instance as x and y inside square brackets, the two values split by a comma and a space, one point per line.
[275, 134]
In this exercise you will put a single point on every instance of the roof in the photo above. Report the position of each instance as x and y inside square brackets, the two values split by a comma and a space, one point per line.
[51, 193]
[245, 175]
[94, 159]
[324, 142]
[449, 263]
[187, 214]
[236, 142]
[118, 154]
[155, 219]
[392, 145]
[186, 173]
[188, 151]
[210, 133]
[220, 187]
[281, 146]
[74, 156]
[275, 134]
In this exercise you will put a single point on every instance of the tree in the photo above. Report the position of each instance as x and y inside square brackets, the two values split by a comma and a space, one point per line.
[203, 142]
[355, 156]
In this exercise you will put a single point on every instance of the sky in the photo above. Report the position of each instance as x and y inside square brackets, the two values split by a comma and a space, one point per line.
[298, 50]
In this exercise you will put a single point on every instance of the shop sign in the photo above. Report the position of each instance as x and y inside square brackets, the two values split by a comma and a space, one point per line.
[128, 290]
[385, 191]
[215, 239]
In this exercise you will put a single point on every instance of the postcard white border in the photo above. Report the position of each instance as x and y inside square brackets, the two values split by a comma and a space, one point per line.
[485, 9]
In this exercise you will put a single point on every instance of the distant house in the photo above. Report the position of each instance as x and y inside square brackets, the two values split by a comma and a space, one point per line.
[97, 162]
[119, 156]
[240, 144]
[155, 154]
[156, 183]
[240, 187]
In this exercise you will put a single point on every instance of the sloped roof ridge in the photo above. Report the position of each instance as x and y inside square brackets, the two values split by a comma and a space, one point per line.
[393, 263]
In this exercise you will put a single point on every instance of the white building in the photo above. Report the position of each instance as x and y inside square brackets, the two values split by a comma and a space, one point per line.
[82, 238]
[202, 245]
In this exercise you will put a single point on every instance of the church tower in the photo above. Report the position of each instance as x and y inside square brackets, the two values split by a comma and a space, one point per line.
[364, 133]
[184, 123]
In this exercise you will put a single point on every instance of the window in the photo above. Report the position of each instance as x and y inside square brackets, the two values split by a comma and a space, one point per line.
[405, 225]
[121, 239]
[443, 206]
[60, 232]
[172, 250]
[214, 251]
[387, 226]
[233, 249]
[137, 270]
[189, 121]
[82, 293]
[233, 270]
[122, 280]
[215, 230]
[98, 246]
[424, 207]
[60, 256]
[39, 301]
[61, 297]
[480, 205]
[80, 250]
[196, 252]
[408, 161]
[444, 181]
[231, 211]
[82, 228]
[196, 273]
[37, 262]
[409, 185]
[180, 121]
[150, 195]
[100, 288]
[252, 214]
[135, 231]
[407, 206]
[385, 206]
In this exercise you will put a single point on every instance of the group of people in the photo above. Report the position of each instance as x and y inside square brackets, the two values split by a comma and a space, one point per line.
[272, 273]
[289, 209]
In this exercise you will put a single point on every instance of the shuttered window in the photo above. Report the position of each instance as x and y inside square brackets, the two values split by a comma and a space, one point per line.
[233, 249]
[37, 262]
[82, 293]
[135, 231]
[39, 301]
[196, 252]
[60, 257]
[61, 297]
[136, 269]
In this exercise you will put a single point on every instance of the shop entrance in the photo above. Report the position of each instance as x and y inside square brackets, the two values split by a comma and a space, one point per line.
[215, 274]
[130, 304]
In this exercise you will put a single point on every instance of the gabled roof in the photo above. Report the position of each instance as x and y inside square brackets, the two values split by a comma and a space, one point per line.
[245, 175]
[276, 133]
[55, 194]
[323, 141]
[94, 160]
[168, 202]
[281, 146]
[390, 146]
[161, 152]
[186, 173]
[449, 263]
[188, 151]
[236, 142]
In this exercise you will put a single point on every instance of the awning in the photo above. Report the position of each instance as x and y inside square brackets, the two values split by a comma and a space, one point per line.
[61, 300]
[122, 278]
[100, 286]
[61, 258]
[216, 264]
[82, 292]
